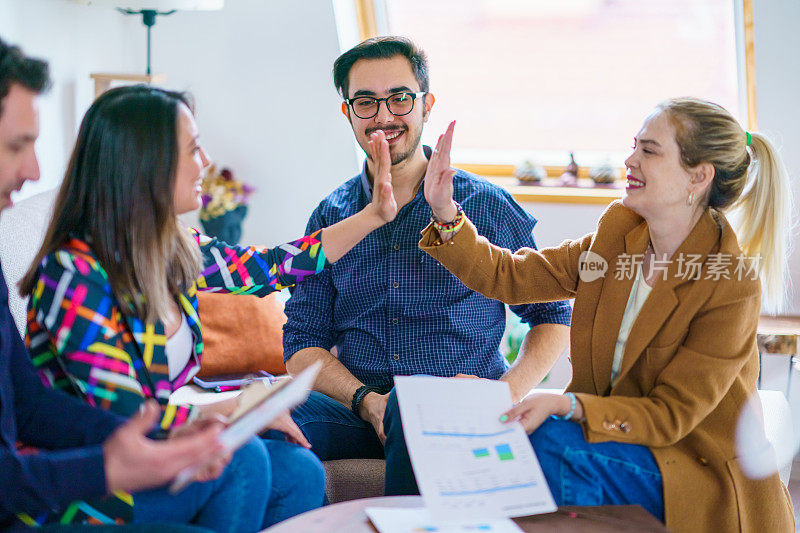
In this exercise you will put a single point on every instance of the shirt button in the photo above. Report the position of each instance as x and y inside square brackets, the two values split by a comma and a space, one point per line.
[396, 246]
[395, 285]
[396, 357]
[395, 321]
[703, 461]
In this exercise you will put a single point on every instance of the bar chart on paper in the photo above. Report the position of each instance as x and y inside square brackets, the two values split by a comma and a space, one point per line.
[466, 462]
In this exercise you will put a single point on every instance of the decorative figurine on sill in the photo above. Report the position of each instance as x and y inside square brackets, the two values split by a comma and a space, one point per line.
[224, 205]
[570, 176]
[604, 174]
[529, 173]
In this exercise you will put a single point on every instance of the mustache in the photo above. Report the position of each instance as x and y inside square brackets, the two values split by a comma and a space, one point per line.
[370, 131]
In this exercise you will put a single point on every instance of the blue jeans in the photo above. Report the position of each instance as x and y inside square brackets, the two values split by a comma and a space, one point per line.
[128, 528]
[602, 473]
[266, 482]
[336, 433]
[298, 481]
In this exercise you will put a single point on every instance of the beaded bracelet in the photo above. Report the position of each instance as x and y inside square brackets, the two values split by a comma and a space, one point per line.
[573, 403]
[452, 226]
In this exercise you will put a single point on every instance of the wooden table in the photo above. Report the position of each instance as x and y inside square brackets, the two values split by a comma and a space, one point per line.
[779, 335]
[350, 517]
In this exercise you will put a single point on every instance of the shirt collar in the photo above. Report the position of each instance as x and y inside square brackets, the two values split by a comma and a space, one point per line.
[365, 184]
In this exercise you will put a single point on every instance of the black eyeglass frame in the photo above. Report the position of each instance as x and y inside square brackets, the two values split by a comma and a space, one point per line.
[414, 96]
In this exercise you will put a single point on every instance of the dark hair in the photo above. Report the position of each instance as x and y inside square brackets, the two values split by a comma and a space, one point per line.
[381, 48]
[15, 67]
[117, 194]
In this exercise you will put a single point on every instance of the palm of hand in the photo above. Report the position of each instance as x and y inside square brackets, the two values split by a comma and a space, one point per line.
[439, 176]
[382, 191]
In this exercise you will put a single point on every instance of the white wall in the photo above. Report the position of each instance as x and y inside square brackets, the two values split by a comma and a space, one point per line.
[266, 106]
[777, 41]
[76, 40]
[260, 74]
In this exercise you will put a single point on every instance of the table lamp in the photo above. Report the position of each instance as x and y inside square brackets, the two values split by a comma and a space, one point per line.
[149, 9]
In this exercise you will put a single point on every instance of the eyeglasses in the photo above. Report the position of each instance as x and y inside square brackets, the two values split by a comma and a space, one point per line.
[398, 104]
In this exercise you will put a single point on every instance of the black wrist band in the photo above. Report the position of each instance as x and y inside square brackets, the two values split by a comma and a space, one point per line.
[360, 394]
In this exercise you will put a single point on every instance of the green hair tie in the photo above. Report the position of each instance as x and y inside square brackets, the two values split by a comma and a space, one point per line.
[749, 139]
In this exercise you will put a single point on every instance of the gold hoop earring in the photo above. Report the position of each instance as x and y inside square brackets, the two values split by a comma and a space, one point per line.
[690, 200]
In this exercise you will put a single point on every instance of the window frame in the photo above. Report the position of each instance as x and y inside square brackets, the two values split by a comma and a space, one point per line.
[371, 21]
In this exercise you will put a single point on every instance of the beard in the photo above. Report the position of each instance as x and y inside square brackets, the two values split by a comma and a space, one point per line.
[399, 157]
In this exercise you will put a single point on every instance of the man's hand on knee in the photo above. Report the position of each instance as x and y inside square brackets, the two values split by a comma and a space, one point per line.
[372, 409]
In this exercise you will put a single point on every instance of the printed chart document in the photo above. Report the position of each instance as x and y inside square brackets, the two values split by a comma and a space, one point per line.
[467, 463]
[418, 520]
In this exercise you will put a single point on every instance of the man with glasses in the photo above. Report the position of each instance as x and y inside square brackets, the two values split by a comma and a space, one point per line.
[387, 308]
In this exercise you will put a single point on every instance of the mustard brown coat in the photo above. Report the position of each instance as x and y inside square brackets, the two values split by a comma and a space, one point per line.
[690, 363]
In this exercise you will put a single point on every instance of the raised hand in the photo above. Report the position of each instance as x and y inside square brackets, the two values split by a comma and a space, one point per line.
[383, 198]
[439, 178]
[339, 238]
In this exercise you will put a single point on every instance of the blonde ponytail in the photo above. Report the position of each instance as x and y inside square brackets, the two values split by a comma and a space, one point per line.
[763, 218]
[749, 180]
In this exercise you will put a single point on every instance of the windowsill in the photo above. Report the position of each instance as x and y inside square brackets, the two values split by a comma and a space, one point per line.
[548, 192]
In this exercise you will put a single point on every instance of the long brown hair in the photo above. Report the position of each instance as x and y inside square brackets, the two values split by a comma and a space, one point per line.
[749, 180]
[117, 195]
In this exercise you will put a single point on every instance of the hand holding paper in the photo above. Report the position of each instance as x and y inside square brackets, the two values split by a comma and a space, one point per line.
[256, 411]
[467, 463]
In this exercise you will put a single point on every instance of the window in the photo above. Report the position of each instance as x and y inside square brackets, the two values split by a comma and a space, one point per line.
[540, 78]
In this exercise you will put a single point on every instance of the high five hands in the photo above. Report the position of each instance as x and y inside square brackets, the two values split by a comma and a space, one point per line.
[383, 200]
[439, 178]
[340, 238]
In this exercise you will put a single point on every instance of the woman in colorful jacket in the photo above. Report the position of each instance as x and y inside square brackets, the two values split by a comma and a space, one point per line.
[663, 342]
[113, 307]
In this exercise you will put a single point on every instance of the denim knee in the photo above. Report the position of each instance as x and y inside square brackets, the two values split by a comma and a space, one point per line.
[253, 461]
[298, 481]
[553, 436]
[313, 473]
[296, 469]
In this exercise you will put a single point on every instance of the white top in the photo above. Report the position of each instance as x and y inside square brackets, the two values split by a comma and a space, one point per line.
[639, 293]
[179, 349]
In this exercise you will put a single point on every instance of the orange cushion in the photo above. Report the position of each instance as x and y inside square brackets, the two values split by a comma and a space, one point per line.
[241, 333]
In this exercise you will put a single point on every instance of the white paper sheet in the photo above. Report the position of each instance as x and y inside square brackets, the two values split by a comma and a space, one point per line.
[467, 463]
[418, 520]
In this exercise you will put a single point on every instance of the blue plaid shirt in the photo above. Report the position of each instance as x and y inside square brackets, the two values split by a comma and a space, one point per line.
[391, 309]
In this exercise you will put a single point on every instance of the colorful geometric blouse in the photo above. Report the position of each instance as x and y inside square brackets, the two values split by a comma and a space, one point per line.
[80, 341]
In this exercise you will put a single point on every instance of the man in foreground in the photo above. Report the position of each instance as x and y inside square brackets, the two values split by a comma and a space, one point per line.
[85, 453]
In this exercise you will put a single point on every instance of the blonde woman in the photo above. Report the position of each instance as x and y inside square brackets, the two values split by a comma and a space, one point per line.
[664, 356]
